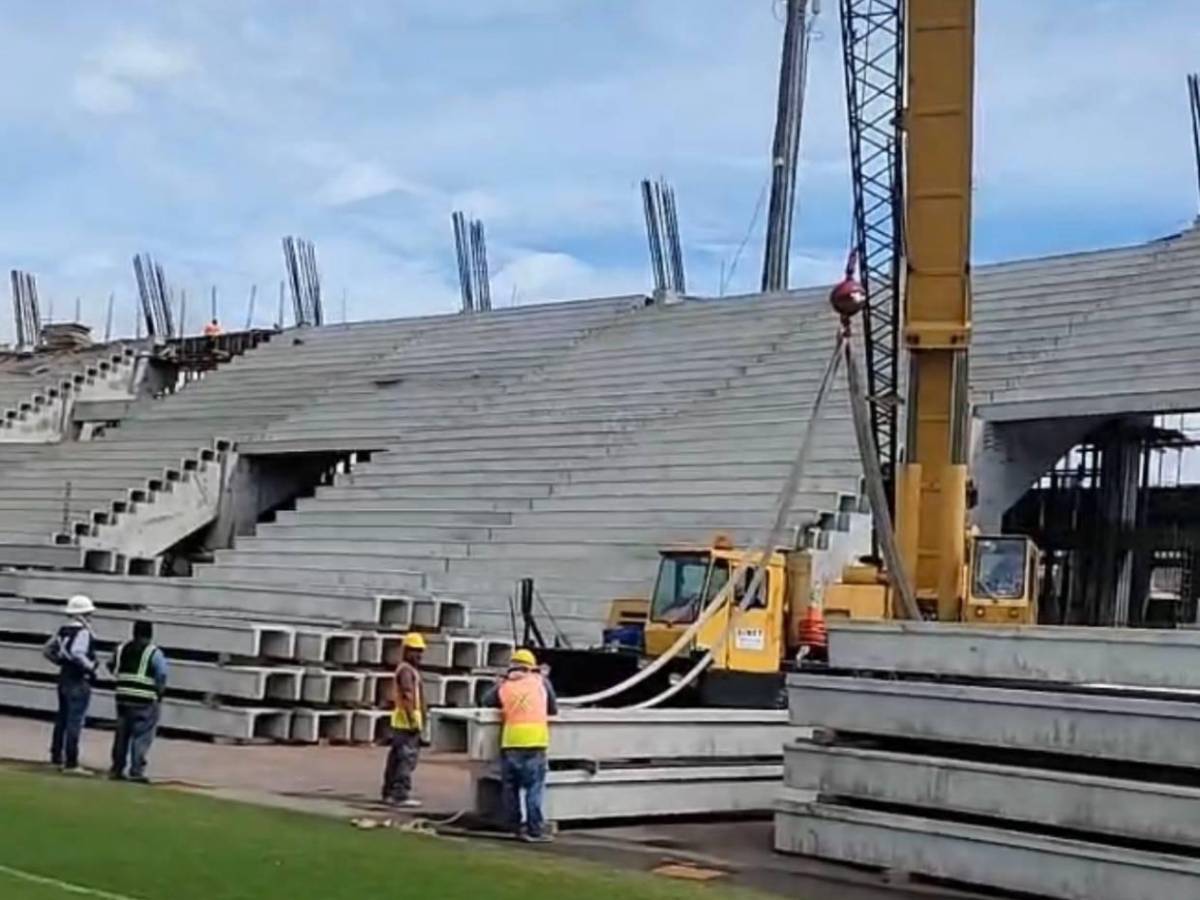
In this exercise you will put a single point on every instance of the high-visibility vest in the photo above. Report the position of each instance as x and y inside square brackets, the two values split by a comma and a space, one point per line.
[401, 720]
[135, 684]
[523, 703]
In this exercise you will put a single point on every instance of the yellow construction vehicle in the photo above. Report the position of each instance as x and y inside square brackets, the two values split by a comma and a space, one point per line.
[954, 574]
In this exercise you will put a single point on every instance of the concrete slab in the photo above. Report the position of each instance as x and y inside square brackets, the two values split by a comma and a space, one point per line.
[973, 854]
[1159, 732]
[1138, 810]
[1121, 656]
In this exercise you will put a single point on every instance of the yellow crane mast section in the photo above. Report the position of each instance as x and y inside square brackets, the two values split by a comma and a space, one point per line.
[932, 484]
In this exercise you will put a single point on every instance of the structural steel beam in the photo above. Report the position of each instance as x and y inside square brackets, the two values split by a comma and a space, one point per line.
[1133, 809]
[1121, 656]
[1124, 728]
[610, 793]
[974, 854]
[620, 734]
[231, 637]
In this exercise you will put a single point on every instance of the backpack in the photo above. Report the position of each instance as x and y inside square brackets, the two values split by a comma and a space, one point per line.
[56, 650]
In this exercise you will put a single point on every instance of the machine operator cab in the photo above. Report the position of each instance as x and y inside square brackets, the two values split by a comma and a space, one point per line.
[689, 579]
[1003, 580]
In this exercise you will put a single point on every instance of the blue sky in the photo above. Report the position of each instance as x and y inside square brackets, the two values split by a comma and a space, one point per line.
[204, 131]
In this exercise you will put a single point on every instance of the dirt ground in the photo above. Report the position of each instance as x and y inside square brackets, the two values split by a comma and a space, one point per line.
[344, 782]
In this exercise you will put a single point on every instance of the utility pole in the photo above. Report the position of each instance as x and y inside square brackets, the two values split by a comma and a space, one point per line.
[108, 317]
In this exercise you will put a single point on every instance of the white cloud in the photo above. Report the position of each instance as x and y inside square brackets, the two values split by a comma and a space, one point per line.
[361, 181]
[541, 275]
[141, 58]
[107, 84]
[102, 94]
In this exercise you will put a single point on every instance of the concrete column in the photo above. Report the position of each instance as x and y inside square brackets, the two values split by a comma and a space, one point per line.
[1009, 457]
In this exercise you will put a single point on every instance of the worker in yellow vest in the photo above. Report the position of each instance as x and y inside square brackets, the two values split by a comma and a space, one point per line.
[408, 723]
[526, 702]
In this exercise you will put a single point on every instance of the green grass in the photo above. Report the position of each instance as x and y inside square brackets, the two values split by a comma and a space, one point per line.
[159, 844]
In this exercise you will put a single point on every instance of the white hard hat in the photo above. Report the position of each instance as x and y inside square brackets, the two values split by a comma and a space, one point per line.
[80, 605]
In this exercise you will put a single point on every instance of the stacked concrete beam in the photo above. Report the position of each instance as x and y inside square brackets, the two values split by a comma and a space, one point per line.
[296, 680]
[1056, 762]
[613, 763]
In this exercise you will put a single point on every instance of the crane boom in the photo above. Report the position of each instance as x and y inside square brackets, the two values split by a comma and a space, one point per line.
[873, 64]
[931, 488]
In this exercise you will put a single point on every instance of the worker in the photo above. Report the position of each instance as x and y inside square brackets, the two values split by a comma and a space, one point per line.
[72, 649]
[140, 669]
[408, 723]
[213, 329]
[526, 701]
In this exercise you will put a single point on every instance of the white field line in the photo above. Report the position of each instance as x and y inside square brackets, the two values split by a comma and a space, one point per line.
[64, 885]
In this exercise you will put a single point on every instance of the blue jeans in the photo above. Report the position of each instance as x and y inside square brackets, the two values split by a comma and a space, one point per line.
[136, 727]
[73, 698]
[524, 771]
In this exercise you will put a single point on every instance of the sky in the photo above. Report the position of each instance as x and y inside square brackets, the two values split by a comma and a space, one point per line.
[203, 132]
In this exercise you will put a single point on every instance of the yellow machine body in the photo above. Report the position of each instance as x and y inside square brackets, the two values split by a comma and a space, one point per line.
[760, 636]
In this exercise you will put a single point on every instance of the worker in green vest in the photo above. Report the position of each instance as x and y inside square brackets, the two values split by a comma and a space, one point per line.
[140, 669]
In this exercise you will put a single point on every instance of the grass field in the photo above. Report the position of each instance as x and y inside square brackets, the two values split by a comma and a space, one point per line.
[157, 844]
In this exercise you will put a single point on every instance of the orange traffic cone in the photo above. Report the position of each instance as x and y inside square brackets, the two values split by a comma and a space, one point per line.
[814, 637]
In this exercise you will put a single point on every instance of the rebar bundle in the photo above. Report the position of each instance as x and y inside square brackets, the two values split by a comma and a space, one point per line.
[300, 261]
[154, 296]
[27, 316]
[662, 236]
[785, 149]
[470, 250]
[1193, 81]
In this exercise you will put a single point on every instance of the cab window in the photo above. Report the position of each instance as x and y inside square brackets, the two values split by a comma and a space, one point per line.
[1000, 569]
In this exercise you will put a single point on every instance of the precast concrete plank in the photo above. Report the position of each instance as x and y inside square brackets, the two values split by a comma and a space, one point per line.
[235, 723]
[1160, 732]
[1142, 810]
[980, 855]
[617, 734]
[644, 793]
[1140, 657]
[234, 682]
[179, 631]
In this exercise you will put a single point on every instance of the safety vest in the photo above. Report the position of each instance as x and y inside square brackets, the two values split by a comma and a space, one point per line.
[135, 684]
[401, 720]
[524, 702]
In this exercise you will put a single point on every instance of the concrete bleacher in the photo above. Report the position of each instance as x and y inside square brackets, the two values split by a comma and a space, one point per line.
[669, 425]
[563, 442]
[35, 388]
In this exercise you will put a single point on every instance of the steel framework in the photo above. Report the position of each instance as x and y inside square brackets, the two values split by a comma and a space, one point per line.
[873, 62]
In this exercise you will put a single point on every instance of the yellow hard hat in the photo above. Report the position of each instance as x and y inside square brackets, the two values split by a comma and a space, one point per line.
[413, 641]
[523, 657]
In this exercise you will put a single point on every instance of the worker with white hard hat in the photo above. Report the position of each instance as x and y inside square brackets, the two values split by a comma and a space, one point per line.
[408, 724]
[526, 702]
[72, 649]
